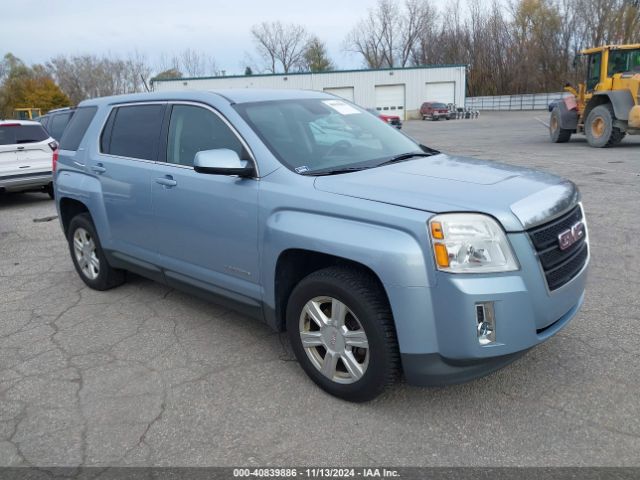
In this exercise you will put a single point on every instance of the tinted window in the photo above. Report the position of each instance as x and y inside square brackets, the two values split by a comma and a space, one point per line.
[135, 132]
[58, 122]
[77, 127]
[12, 134]
[194, 129]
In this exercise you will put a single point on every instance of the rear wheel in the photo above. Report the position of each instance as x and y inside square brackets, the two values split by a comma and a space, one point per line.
[88, 256]
[341, 330]
[49, 191]
[599, 127]
[557, 134]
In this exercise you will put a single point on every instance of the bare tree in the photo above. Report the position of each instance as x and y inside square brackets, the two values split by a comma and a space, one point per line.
[280, 46]
[415, 23]
[189, 62]
[88, 76]
[376, 36]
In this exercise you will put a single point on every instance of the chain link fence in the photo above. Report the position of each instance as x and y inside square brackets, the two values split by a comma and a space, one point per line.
[531, 101]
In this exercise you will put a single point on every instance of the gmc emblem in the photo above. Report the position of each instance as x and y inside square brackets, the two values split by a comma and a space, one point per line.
[571, 235]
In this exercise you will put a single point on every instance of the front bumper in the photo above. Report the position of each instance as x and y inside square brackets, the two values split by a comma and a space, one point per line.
[432, 369]
[437, 326]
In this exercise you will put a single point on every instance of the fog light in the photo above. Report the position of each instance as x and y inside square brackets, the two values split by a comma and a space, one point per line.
[486, 323]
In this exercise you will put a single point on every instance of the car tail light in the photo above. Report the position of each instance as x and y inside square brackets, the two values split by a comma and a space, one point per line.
[54, 160]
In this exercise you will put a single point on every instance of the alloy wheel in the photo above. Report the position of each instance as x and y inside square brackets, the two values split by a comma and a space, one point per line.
[84, 248]
[334, 340]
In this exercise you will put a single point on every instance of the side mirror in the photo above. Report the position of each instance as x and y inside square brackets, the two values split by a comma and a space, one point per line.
[222, 161]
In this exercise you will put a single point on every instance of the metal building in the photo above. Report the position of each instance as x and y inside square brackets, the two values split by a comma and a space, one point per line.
[398, 91]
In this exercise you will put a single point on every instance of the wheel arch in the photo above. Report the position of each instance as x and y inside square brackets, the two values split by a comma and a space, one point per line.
[296, 263]
[69, 208]
[620, 100]
[394, 256]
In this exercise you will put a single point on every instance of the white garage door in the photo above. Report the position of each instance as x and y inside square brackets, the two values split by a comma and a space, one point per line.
[344, 92]
[390, 99]
[444, 92]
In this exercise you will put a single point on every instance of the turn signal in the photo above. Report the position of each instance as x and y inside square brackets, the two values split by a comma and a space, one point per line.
[436, 230]
[442, 255]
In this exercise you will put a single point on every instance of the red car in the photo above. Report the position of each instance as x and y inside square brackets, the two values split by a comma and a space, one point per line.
[434, 111]
[392, 120]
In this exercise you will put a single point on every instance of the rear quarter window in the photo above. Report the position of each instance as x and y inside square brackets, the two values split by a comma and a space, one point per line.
[77, 127]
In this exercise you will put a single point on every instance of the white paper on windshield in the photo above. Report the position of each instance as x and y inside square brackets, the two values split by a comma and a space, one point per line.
[341, 107]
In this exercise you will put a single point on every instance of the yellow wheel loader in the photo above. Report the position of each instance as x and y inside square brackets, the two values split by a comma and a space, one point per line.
[26, 113]
[606, 107]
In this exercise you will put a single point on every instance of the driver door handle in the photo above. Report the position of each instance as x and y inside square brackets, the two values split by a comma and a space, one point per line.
[167, 181]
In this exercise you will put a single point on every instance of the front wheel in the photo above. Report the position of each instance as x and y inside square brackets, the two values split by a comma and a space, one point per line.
[88, 256]
[557, 134]
[341, 330]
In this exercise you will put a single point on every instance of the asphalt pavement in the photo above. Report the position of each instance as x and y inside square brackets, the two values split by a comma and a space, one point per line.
[145, 375]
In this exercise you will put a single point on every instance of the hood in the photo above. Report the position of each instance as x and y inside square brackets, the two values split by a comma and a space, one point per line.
[518, 197]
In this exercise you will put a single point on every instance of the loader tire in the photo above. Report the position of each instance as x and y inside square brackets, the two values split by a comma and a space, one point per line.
[557, 134]
[618, 136]
[599, 127]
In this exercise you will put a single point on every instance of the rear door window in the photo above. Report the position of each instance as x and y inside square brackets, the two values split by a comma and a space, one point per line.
[77, 127]
[133, 131]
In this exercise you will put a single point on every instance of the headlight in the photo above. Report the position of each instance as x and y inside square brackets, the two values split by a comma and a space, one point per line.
[470, 243]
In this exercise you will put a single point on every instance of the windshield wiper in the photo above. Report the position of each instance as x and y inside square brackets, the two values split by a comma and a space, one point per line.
[404, 156]
[335, 171]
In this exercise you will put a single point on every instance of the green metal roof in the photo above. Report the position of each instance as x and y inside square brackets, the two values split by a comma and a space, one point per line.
[421, 67]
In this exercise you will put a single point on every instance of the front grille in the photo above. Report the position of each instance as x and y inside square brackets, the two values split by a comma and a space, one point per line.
[559, 266]
[395, 121]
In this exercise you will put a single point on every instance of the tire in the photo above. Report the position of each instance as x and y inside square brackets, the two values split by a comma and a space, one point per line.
[599, 127]
[365, 310]
[618, 136]
[49, 191]
[557, 134]
[84, 243]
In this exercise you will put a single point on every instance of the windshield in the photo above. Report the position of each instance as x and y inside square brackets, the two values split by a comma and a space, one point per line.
[315, 135]
[621, 61]
[439, 105]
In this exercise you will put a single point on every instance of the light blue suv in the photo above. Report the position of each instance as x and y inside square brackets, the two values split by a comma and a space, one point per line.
[378, 255]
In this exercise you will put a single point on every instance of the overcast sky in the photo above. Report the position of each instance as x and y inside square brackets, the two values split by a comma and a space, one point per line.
[36, 30]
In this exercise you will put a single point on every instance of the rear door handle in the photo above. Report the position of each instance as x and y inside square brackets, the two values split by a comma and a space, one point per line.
[167, 181]
[98, 168]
